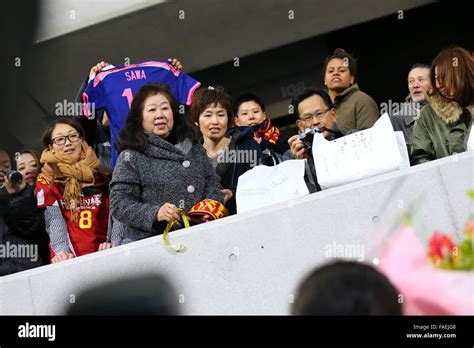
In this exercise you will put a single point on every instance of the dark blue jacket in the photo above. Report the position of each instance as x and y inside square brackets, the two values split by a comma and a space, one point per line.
[247, 155]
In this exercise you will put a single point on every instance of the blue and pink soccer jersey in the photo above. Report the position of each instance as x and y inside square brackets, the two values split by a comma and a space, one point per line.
[113, 90]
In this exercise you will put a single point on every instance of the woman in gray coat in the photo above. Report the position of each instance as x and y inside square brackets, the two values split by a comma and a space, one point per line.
[161, 167]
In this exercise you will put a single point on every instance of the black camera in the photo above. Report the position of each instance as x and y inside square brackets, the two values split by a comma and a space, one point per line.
[308, 135]
[14, 177]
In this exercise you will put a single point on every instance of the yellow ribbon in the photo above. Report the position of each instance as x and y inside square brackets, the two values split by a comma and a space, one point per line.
[177, 247]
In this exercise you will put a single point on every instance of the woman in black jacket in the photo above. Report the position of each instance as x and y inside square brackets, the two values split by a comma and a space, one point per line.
[231, 151]
[28, 164]
[20, 223]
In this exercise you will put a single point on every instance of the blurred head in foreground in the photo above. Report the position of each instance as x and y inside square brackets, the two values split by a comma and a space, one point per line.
[140, 295]
[346, 288]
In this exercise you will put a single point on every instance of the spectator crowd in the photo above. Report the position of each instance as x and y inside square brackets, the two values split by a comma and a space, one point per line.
[76, 197]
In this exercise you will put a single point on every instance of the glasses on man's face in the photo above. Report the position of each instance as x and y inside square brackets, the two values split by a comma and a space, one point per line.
[318, 114]
[62, 140]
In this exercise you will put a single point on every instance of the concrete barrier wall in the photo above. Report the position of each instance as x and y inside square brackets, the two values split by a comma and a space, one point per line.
[252, 263]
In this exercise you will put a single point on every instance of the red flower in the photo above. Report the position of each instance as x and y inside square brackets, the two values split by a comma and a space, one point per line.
[441, 246]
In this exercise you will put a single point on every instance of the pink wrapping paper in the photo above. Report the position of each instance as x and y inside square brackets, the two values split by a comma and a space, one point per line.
[425, 290]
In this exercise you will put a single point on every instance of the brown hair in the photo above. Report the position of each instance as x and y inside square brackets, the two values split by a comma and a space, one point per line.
[458, 78]
[33, 153]
[46, 138]
[206, 97]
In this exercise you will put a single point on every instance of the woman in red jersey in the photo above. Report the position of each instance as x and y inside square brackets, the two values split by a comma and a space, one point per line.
[74, 191]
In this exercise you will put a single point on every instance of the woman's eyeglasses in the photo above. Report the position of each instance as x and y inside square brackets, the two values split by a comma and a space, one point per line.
[62, 140]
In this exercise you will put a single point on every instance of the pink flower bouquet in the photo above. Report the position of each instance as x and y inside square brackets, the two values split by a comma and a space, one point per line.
[439, 281]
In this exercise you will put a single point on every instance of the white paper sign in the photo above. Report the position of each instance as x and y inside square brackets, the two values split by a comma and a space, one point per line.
[356, 156]
[470, 140]
[402, 147]
[264, 185]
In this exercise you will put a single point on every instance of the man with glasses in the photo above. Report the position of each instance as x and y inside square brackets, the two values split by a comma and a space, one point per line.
[313, 109]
